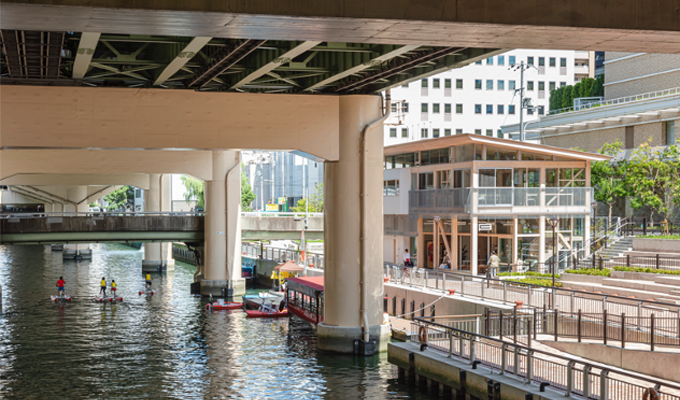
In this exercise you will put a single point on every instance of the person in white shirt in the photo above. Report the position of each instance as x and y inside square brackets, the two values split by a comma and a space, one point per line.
[407, 257]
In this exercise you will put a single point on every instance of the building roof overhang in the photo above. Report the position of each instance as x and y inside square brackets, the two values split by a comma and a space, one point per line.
[457, 140]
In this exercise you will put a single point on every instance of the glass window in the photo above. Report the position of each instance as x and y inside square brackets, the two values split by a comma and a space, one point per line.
[541, 110]
[405, 108]
[501, 60]
[444, 179]
[423, 133]
[423, 107]
[489, 108]
[404, 132]
[478, 62]
[479, 150]
[461, 178]
[489, 61]
[465, 152]
[496, 153]
[405, 85]
[551, 86]
[447, 132]
[435, 108]
[435, 133]
[530, 60]
[394, 107]
[563, 84]
[425, 180]
[511, 60]
[459, 108]
[459, 131]
[391, 188]
[435, 83]
[489, 132]
[530, 111]
[423, 83]
[528, 226]
[500, 85]
[511, 85]
[435, 156]
[478, 108]
[500, 109]
[563, 62]
[671, 137]
[530, 85]
[535, 157]
[541, 85]
[551, 177]
[478, 83]
[447, 108]
[487, 178]
[459, 83]
[499, 133]
[478, 131]
[402, 160]
[489, 84]
[541, 61]
[552, 61]
[393, 132]
[511, 109]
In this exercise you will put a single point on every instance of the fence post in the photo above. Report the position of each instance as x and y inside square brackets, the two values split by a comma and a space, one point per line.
[426, 279]
[514, 325]
[505, 292]
[604, 302]
[570, 378]
[628, 260]
[623, 330]
[657, 261]
[529, 333]
[444, 282]
[651, 329]
[639, 310]
[472, 349]
[593, 259]
[436, 282]
[601, 262]
[462, 286]
[556, 315]
[504, 355]
[482, 290]
[450, 344]
[410, 277]
[515, 364]
[530, 362]
[500, 324]
[603, 385]
[578, 326]
[487, 320]
[586, 381]
[535, 322]
[644, 226]
[571, 302]
[604, 326]
[529, 291]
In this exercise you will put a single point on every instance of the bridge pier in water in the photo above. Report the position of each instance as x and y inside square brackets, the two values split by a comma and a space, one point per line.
[158, 256]
[78, 196]
[222, 266]
[346, 316]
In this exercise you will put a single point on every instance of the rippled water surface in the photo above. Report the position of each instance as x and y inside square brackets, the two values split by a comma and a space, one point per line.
[167, 346]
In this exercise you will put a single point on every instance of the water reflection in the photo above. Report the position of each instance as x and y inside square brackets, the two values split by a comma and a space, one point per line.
[164, 346]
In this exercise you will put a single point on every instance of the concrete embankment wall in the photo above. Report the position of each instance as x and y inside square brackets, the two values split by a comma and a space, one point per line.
[656, 245]
[444, 304]
[446, 371]
[658, 363]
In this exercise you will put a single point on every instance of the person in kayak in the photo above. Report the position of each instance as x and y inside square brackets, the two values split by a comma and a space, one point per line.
[113, 287]
[148, 281]
[60, 286]
[102, 291]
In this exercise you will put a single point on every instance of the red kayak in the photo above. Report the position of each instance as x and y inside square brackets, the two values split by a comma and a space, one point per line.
[266, 314]
[57, 298]
[230, 305]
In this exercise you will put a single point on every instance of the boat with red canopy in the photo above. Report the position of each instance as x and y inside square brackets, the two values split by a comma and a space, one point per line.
[304, 297]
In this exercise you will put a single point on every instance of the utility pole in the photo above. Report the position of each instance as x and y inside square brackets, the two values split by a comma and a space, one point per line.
[522, 103]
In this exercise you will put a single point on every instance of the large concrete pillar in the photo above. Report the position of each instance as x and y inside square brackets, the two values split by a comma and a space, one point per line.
[78, 195]
[158, 256]
[343, 314]
[223, 226]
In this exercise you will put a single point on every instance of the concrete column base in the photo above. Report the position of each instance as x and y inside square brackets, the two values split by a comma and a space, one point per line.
[213, 287]
[72, 251]
[57, 247]
[239, 286]
[340, 339]
[152, 265]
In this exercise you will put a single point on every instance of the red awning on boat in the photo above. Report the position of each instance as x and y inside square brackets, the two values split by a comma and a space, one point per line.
[288, 266]
[310, 285]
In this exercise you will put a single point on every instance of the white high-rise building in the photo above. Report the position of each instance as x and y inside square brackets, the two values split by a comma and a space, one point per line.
[480, 97]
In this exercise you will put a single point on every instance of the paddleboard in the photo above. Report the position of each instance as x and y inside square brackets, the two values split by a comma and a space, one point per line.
[57, 298]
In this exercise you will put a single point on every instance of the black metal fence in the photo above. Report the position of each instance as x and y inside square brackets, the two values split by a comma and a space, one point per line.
[656, 261]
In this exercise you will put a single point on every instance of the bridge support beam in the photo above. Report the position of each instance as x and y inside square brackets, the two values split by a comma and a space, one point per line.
[78, 195]
[158, 256]
[223, 226]
[344, 313]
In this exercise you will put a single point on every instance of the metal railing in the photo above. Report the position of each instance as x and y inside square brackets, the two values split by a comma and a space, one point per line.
[526, 295]
[280, 214]
[34, 215]
[565, 375]
[278, 254]
[655, 262]
[620, 100]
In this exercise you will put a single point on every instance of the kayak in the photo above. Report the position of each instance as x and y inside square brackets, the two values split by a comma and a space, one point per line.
[103, 299]
[57, 298]
[266, 314]
[230, 305]
[151, 292]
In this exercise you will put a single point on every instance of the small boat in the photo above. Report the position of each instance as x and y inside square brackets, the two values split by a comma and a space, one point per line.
[229, 305]
[149, 292]
[266, 314]
[57, 298]
[255, 302]
[107, 298]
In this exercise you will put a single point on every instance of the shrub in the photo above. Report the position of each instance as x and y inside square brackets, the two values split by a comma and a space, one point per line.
[589, 271]
[537, 281]
[528, 273]
[647, 270]
[665, 237]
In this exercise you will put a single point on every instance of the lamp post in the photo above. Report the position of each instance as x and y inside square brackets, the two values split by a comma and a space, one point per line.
[553, 224]
[594, 205]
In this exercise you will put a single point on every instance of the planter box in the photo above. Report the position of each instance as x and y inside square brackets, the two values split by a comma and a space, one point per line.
[657, 245]
[566, 278]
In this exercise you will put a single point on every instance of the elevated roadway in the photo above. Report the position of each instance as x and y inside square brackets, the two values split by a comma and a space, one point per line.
[145, 227]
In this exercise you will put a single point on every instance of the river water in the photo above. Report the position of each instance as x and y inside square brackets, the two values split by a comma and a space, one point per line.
[165, 346]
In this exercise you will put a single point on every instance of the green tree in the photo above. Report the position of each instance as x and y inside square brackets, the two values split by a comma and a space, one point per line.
[608, 177]
[315, 201]
[121, 199]
[247, 194]
[653, 177]
[194, 189]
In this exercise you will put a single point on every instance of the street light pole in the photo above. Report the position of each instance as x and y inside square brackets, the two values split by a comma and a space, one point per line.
[553, 224]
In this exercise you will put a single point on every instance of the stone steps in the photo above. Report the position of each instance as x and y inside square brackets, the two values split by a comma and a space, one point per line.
[623, 291]
[643, 285]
